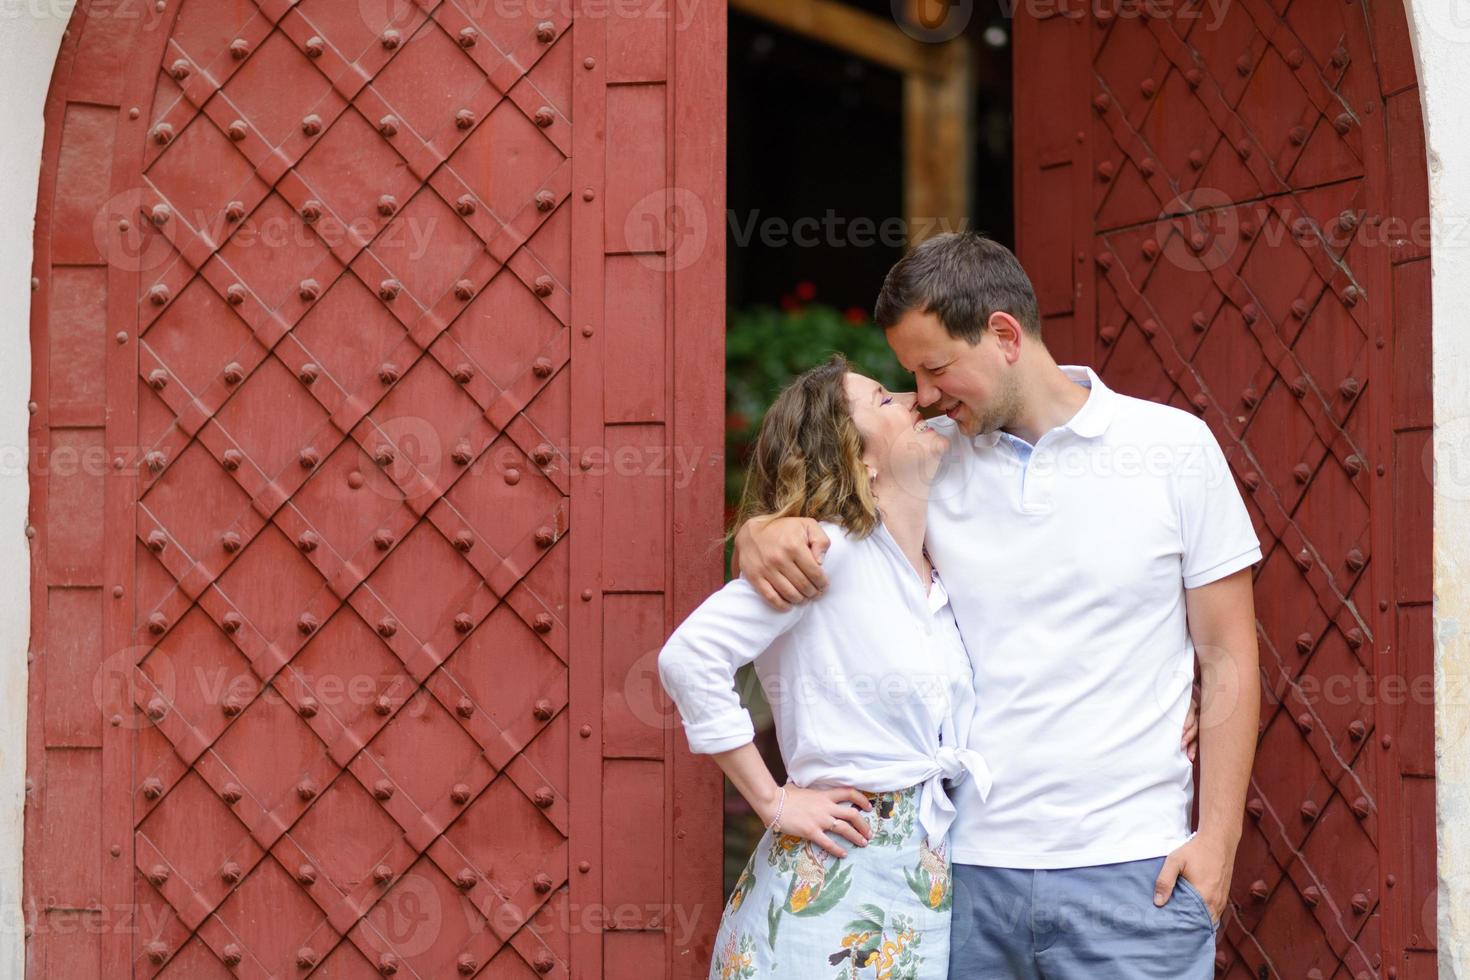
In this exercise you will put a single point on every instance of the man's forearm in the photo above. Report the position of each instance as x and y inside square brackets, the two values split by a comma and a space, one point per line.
[1230, 714]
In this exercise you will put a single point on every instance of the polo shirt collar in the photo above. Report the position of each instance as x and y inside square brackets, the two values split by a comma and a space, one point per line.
[1091, 419]
[988, 440]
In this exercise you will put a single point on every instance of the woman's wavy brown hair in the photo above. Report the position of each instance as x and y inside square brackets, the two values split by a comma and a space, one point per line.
[807, 456]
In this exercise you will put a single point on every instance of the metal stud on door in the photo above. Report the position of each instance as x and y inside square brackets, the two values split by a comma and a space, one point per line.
[1197, 201]
[349, 667]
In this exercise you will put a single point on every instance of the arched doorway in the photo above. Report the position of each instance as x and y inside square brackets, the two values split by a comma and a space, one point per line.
[376, 374]
[1225, 208]
[72, 876]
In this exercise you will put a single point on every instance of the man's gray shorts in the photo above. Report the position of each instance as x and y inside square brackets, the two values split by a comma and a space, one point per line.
[1077, 924]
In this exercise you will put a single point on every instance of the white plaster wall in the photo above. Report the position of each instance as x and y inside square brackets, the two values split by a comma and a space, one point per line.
[30, 36]
[1441, 36]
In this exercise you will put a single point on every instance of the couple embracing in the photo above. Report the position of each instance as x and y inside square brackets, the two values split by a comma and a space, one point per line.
[978, 633]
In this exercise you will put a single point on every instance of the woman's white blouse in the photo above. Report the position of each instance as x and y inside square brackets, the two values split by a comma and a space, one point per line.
[870, 683]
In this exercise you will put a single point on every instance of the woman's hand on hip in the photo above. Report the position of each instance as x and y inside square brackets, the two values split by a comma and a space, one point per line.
[819, 815]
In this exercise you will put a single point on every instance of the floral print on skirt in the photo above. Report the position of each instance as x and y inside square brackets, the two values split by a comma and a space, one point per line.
[881, 912]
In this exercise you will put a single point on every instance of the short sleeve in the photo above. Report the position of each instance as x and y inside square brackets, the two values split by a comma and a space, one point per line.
[1218, 538]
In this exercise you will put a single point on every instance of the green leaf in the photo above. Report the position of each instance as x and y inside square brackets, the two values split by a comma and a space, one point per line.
[865, 925]
[917, 882]
[833, 890]
[765, 348]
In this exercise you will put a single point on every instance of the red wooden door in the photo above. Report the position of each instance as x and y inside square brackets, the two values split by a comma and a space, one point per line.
[377, 425]
[1225, 209]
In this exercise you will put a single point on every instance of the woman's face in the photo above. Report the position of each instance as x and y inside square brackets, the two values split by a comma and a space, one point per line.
[897, 442]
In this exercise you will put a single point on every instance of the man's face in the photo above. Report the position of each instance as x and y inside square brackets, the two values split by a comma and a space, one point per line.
[970, 383]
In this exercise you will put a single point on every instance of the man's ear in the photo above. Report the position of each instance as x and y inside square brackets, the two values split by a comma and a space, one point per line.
[1008, 332]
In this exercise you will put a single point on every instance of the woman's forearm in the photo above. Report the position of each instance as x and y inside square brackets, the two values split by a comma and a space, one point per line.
[747, 771]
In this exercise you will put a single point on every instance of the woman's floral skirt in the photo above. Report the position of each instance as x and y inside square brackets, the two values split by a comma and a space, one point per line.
[881, 912]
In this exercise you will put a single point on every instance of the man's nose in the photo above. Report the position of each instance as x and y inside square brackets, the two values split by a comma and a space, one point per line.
[926, 394]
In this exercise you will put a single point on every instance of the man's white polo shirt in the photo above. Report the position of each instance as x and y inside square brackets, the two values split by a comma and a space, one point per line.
[1067, 574]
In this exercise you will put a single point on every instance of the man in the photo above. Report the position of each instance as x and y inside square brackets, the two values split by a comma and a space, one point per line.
[1092, 545]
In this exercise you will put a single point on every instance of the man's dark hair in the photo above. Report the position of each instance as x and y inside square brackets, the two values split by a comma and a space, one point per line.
[961, 278]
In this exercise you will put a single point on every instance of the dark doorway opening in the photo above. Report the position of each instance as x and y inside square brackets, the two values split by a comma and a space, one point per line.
[816, 191]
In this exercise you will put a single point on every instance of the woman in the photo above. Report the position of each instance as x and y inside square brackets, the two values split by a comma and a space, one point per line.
[872, 694]
[870, 687]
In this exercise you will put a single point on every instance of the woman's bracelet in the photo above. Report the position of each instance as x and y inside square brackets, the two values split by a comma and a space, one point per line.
[775, 825]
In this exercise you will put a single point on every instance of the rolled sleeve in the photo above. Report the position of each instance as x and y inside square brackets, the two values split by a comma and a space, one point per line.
[697, 664]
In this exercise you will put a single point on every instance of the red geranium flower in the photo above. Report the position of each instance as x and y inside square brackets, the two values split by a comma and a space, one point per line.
[806, 291]
[855, 315]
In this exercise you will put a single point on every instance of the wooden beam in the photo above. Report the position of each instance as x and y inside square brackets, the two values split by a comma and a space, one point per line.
[937, 137]
[876, 39]
[937, 106]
